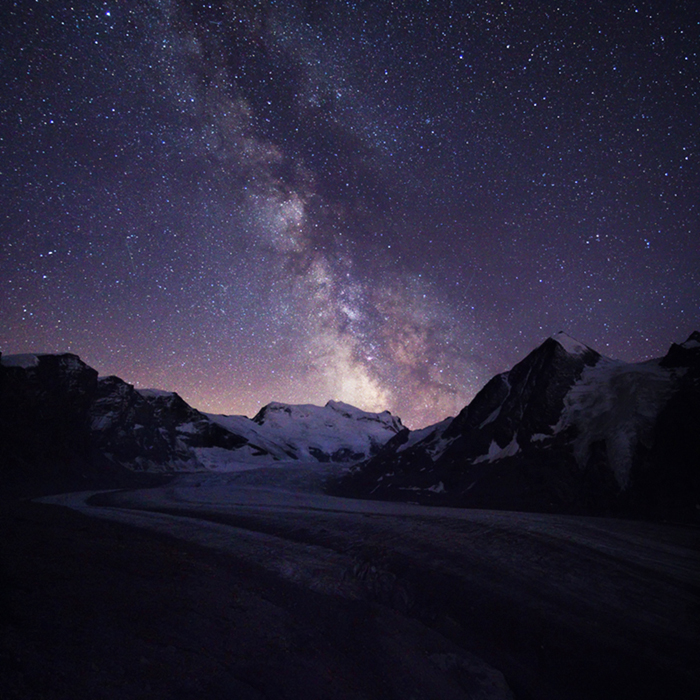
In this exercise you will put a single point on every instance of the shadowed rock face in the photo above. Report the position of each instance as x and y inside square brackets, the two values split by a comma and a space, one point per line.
[45, 403]
[666, 477]
[57, 419]
[565, 430]
[56, 413]
[523, 402]
[44, 414]
[513, 408]
[151, 430]
[685, 354]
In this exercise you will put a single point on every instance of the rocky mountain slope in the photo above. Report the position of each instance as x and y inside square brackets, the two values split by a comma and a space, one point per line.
[564, 430]
[57, 416]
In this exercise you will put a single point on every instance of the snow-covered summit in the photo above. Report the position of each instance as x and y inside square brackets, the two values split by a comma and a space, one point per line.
[354, 413]
[336, 432]
[335, 412]
[152, 430]
[571, 345]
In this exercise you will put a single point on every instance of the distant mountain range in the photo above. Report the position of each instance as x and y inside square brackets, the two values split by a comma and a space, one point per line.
[57, 417]
[565, 430]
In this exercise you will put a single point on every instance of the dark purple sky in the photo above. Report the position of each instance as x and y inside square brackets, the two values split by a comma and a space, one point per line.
[381, 203]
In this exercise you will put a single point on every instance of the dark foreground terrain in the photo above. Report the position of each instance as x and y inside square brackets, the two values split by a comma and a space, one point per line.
[95, 609]
[194, 595]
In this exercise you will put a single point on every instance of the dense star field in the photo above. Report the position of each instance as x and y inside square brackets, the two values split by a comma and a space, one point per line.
[380, 203]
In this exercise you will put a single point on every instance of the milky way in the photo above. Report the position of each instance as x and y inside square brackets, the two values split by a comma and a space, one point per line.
[381, 203]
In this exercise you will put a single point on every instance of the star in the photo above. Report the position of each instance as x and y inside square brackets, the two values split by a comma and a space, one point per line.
[300, 202]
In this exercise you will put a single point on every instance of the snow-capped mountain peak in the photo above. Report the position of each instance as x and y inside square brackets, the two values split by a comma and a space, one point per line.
[334, 432]
[571, 345]
[393, 423]
[565, 428]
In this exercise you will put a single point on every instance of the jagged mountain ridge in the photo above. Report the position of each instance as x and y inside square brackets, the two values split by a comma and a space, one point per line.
[54, 408]
[566, 429]
[512, 408]
[336, 432]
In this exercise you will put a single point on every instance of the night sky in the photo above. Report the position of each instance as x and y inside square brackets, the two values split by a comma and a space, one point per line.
[383, 203]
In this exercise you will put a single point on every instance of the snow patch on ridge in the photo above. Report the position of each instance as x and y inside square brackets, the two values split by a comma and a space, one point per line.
[571, 345]
[154, 393]
[433, 431]
[24, 361]
[617, 403]
[497, 452]
[492, 417]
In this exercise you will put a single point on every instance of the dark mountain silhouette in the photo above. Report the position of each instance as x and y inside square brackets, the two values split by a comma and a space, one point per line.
[565, 430]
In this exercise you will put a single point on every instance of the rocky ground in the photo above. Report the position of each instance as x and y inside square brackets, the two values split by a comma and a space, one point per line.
[286, 595]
